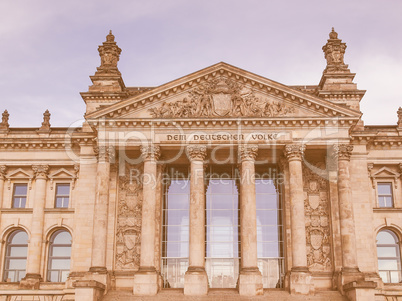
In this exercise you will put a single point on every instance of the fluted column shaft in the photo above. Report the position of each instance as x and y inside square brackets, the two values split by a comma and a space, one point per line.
[150, 154]
[99, 241]
[294, 154]
[248, 213]
[36, 238]
[349, 259]
[195, 281]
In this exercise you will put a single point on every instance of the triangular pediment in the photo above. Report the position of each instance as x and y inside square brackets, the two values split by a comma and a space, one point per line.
[62, 173]
[385, 172]
[19, 174]
[223, 91]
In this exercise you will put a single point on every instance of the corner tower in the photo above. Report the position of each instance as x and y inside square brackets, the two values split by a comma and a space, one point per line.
[336, 83]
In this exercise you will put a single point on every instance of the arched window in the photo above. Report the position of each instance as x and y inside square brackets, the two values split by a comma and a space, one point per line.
[59, 256]
[389, 258]
[16, 256]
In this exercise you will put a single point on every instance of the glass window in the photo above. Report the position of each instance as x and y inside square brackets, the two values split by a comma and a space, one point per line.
[388, 254]
[59, 256]
[222, 229]
[269, 233]
[20, 195]
[16, 256]
[175, 231]
[62, 195]
[384, 191]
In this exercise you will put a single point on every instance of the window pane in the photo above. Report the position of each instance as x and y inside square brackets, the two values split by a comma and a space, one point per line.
[19, 202]
[177, 217]
[266, 201]
[18, 251]
[61, 251]
[385, 237]
[20, 238]
[54, 276]
[387, 252]
[17, 264]
[62, 238]
[60, 264]
[177, 233]
[178, 201]
[63, 189]
[20, 189]
[384, 188]
[388, 265]
[267, 217]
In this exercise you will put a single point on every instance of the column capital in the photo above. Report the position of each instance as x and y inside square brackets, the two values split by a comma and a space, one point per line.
[150, 152]
[40, 171]
[196, 152]
[248, 152]
[294, 151]
[3, 170]
[342, 151]
[105, 153]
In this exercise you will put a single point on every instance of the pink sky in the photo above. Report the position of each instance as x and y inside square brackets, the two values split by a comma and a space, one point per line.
[49, 48]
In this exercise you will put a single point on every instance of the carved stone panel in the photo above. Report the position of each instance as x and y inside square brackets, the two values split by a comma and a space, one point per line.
[128, 230]
[222, 97]
[316, 207]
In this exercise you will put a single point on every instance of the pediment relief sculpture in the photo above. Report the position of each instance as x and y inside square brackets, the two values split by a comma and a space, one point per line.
[221, 98]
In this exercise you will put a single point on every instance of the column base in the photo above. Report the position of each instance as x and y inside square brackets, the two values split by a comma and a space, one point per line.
[88, 290]
[146, 282]
[300, 281]
[360, 290]
[30, 282]
[195, 281]
[250, 282]
[349, 275]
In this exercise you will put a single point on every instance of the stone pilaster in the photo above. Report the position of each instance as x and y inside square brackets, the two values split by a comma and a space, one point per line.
[99, 242]
[350, 270]
[300, 277]
[33, 272]
[146, 279]
[250, 278]
[3, 170]
[196, 280]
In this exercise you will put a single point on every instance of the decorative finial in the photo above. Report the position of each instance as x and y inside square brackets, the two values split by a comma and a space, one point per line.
[46, 122]
[4, 121]
[399, 117]
[334, 52]
[110, 54]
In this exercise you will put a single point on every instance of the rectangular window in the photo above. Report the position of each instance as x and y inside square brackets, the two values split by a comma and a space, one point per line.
[20, 195]
[62, 195]
[384, 192]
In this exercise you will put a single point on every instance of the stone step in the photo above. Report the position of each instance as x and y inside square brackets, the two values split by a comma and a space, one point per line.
[223, 295]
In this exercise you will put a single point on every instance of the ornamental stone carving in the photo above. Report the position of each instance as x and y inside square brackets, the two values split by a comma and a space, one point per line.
[128, 229]
[40, 171]
[4, 125]
[46, 122]
[196, 152]
[342, 151]
[399, 117]
[316, 207]
[105, 153]
[334, 52]
[248, 152]
[221, 98]
[109, 53]
[3, 171]
[294, 151]
[150, 152]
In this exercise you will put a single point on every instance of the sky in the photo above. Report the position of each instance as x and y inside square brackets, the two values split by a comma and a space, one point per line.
[49, 48]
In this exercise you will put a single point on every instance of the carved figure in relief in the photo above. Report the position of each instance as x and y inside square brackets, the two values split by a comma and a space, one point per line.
[316, 217]
[221, 97]
[128, 230]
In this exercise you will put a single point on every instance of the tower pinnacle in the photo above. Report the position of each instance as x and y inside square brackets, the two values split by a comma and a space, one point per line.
[334, 52]
[109, 53]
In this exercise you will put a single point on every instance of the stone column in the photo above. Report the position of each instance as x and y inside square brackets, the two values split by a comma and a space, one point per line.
[250, 278]
[146, 279]
[342, 152]
[195, 279]
[99, 241]
[33, 275]
[3, 170]
[300, 277]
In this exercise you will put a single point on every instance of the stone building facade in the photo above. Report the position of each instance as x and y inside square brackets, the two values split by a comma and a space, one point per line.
[219, 184]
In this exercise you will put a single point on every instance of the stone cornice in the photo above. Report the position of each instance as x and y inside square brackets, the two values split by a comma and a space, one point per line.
[222, 69]
[197, 122]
